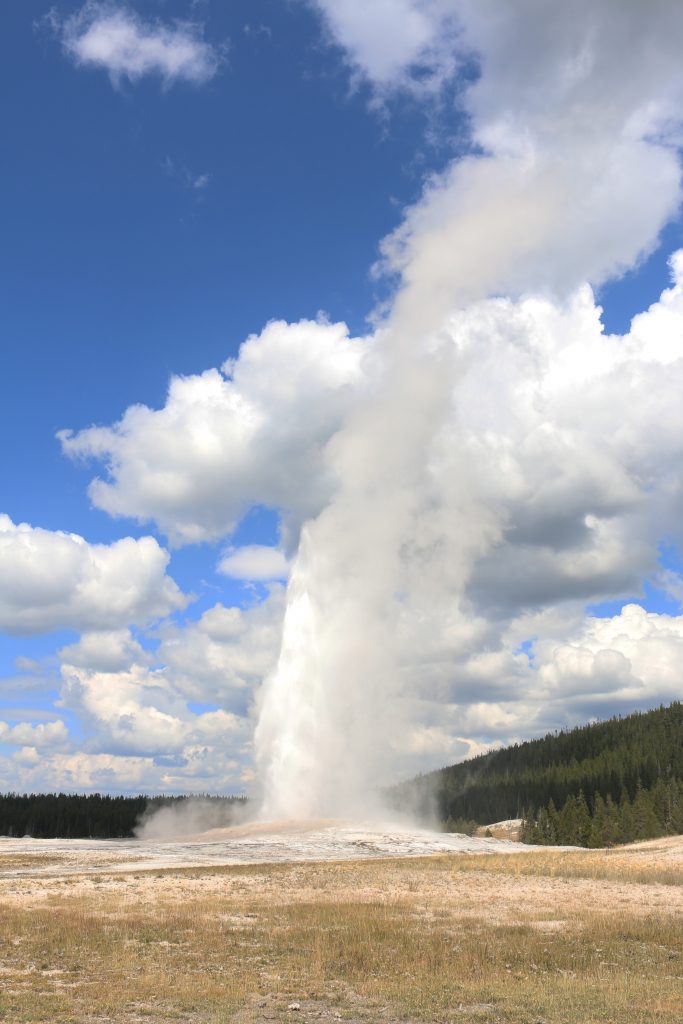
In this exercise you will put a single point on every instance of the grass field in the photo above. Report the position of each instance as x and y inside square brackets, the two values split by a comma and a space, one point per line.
[553, 937]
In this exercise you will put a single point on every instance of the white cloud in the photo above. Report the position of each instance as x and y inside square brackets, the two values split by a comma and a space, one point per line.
[538, 64]
[224, 656]
[202, 769]
[135, 711]
[111, 650]
[135, 703]
[139, 726]
[44, 735]
[574, 437]
[54, 580]
[178, 718]
[254, 562]
[23, 664]
[80, 772]
[555, 101]
[258, 31]
[113, 37]
[581, 667]
[254, 433]
[635, 655]
[395, 43]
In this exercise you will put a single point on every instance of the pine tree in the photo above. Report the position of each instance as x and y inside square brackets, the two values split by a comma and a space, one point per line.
[583, 819]
[568, 821]
[553, 823]
[626, 824]
[598, 828]
[645, 823]
[612, 829]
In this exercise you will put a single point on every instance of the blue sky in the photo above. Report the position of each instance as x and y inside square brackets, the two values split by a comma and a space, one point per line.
[118, 272]
[150, 225]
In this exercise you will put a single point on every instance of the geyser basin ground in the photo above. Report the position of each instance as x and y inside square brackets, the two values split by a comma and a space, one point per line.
[564, 937]
[253, 843]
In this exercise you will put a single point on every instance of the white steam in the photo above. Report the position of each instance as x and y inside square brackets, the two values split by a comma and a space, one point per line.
[189, 817]
[575, 117]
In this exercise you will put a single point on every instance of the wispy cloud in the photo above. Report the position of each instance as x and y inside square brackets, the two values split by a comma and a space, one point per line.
[116, 39]
[190, 179]
[258, 30]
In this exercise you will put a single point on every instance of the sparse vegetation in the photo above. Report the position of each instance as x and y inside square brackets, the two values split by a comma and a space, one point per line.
[449, 938]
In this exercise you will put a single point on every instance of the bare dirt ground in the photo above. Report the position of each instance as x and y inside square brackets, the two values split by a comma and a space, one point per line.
[371, 929]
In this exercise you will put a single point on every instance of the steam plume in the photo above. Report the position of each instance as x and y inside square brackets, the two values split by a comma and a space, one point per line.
[577, 175]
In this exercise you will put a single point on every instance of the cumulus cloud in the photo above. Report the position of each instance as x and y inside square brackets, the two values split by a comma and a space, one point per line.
[252, 433]
[175, 718]
[201, 769]
[531, 58]
[111, 36]
[174, 713]
[580, 667]
[635, 655]
[135, 711]
[43, 735]
[576, 440]
[54, 580]
[109, 650]
[254, 562]
[225, 655]
[140, 713]
[80, 771]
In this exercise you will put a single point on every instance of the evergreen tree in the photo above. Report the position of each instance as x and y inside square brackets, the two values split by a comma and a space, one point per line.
[598, 826]
[626, 825]
[612, 827]
[553, 823]
[645, 823]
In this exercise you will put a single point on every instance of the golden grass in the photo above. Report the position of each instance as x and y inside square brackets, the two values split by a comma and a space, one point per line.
[378, 941]
[611, 865]
[19, 861]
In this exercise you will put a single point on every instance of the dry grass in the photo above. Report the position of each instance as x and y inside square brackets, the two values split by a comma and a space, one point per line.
[618, 865]
[19, 861]
[460, 939]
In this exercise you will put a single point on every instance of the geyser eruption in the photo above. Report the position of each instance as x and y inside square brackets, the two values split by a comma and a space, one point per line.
[332, 705]
[574, 117]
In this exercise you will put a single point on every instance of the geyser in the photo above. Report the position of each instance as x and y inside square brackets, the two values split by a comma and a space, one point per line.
[570, 175]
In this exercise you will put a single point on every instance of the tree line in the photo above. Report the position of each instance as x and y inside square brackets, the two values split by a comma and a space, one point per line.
[614, 781]
[86, 816]
[604, 822]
